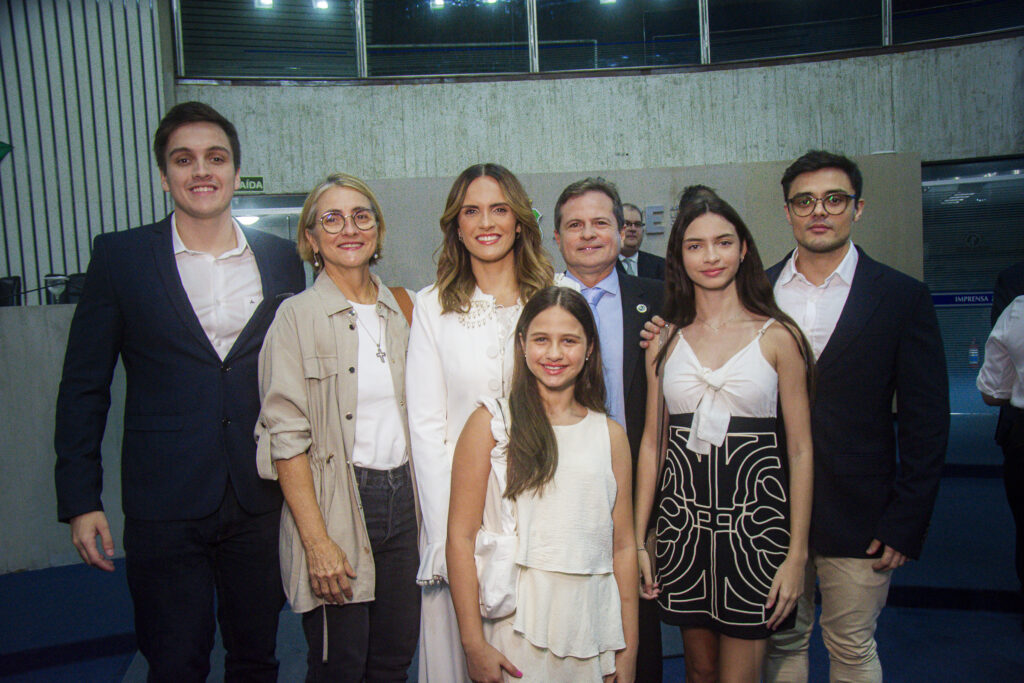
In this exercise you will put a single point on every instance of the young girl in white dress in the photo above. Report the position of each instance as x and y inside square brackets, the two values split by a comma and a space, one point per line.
[732, 518]
[567, 487]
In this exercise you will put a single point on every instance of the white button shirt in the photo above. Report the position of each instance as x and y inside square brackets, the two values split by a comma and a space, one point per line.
[816, 308]
[1002, 375]
[224, 290]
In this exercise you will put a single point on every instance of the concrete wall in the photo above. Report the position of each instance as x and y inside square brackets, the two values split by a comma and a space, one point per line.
[32, 341]
[948, 103]
[890, 228]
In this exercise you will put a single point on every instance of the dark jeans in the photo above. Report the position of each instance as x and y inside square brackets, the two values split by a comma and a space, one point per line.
[374, 641]
[1010, 435]
[177, 569]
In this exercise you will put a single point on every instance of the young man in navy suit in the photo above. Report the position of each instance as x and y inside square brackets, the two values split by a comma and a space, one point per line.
[588, 222]
[876, 336]
[185, 303]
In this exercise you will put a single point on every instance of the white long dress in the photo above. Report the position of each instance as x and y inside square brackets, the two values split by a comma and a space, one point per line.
[568, 619]
[453, 360]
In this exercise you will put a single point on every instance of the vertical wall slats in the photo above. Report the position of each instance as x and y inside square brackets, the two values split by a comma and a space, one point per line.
[81, 88]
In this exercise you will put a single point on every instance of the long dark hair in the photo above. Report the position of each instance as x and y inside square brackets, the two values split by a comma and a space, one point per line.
[532, 449]
[752, 286]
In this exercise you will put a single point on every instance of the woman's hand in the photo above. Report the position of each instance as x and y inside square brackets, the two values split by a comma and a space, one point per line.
[649, 588]
[787, 587]
[484, 664]
[625, 667]
[329, 572]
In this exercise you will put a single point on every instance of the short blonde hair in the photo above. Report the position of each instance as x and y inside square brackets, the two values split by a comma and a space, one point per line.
[308, 217]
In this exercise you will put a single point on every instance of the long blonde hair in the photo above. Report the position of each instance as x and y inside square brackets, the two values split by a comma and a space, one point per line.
[455, 280]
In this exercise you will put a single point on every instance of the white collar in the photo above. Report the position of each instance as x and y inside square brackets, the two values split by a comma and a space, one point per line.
[179, 246]
[844, 271]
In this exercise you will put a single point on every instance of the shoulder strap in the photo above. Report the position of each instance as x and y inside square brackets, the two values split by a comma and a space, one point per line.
[404, 302]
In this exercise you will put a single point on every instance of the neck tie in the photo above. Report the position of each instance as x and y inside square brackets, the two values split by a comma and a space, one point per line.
[630, 266]
[593, 295]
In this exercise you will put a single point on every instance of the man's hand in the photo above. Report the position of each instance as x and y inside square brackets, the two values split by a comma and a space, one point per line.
[652, 328]
[84, 530]
[890, 559]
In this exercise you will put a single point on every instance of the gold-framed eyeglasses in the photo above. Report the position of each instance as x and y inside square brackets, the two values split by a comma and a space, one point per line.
[834, 203]
[334, 221]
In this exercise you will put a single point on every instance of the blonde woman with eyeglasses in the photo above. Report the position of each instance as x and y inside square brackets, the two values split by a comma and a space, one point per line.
[333, 432]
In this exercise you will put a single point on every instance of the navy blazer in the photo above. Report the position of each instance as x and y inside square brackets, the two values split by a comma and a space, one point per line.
[189, 417]
[886, 342]
[646, 294]
[647, 266]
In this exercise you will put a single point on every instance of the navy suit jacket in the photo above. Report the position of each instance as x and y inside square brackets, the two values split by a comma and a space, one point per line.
[189, 417]
[646, 294]
[647, 266]
[885, 343]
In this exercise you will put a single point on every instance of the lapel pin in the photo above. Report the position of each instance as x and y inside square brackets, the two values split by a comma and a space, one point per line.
[641, 308]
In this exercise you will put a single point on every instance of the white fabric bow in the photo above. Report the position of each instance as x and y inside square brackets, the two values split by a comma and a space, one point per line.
[710, 420]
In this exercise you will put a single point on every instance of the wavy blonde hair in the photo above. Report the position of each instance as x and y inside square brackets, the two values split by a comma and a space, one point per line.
[308, 217]
[455, 281]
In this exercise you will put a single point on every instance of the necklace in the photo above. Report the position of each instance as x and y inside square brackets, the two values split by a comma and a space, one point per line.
[722, 324]
[381, 356]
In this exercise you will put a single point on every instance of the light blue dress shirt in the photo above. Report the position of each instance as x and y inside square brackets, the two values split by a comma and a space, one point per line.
[609, 330]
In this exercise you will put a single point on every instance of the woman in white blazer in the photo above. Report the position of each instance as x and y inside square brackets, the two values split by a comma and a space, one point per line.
[460, 348]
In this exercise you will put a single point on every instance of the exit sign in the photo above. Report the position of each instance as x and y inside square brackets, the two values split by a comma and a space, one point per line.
[251, 184]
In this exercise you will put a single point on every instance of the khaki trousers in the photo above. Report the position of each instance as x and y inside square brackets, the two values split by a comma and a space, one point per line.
[852, 597]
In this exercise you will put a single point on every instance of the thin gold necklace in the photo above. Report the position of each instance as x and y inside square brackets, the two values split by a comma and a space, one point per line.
[721, 324]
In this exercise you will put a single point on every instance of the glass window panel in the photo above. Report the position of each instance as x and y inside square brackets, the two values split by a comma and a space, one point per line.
[596, 34]
[287, 39]
[423, 37]
[914, 20]
[752, 29]
[972, 216]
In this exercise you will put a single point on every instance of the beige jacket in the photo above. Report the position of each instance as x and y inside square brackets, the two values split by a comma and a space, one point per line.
[307, 375]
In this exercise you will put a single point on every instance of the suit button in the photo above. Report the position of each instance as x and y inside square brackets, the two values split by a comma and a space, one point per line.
[226, 421]
[348, 416]
[351, 369]
[494, 385]
[225, 368]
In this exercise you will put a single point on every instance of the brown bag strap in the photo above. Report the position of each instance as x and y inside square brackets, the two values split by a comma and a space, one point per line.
[404, 302]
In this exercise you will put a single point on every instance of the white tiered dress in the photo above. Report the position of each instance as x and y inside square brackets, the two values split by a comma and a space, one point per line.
[568, 621]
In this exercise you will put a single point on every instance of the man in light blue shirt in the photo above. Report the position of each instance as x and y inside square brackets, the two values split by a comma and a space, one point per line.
[588, 222]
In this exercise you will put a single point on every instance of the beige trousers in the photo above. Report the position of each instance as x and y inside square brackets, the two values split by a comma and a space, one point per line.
[852, 597]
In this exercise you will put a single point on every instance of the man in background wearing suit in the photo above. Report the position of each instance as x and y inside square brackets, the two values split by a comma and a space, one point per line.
[876, 336]
[588, 221]
[632, 261]
[185, 303]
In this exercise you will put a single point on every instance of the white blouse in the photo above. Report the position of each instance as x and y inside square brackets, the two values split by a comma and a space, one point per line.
[746, 385]
[454, 359]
